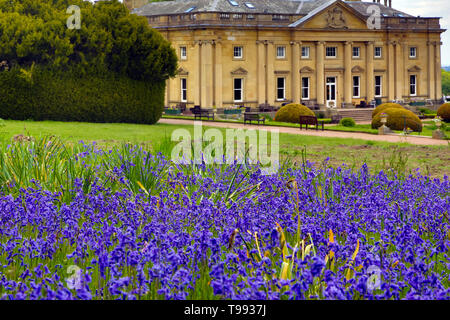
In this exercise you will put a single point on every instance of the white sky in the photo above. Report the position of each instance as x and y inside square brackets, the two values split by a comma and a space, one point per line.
[430, 8]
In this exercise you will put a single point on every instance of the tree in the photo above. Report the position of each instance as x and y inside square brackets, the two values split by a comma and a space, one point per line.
[110, 38]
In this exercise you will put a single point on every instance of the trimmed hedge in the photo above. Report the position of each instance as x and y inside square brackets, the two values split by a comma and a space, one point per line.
[70, 97]
[291, 113]
[347, 122]
[396, 120]
[385, 106]
[444, 112]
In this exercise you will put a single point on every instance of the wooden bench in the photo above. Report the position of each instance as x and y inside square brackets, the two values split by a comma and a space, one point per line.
[253, 116]
[310, 120]
[200, 113]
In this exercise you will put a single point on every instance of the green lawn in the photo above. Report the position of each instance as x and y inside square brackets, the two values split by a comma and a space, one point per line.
[434, 160]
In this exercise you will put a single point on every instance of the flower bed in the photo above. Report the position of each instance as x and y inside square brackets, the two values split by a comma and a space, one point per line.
[172, 111]
[232, 111]
[140, 227]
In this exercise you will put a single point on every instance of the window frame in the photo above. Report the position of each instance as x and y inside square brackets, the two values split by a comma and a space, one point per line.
[183, 90]
[375, 53]
[241, 57]
[283, 88]
[241, 90]
[415, 53]
[358, 87]
[335, 52]
[380, 86]
[307, 88]
[411, 85]
[359, 52]
[284, 52]
[308, 50]
[183, 57]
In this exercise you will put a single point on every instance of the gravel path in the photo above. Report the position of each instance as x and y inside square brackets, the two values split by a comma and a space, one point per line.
[327, 133]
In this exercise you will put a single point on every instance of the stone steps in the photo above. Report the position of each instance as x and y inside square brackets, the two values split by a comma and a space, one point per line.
[356, 114]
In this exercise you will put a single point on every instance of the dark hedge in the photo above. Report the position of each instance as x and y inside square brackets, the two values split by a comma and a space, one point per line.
[70, 97]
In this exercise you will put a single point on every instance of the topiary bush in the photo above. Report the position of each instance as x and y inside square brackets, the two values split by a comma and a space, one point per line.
[292, 112]
[444, 112]
[385, 106]
[347, 122]
[396, 120]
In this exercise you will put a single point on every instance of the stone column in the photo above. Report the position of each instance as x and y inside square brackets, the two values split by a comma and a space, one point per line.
[398, 71]
[270, 85]
[261, 65]
[295, 82]
[218, 97]
[348, 81]
[166, 95]
[391, 71]
[438, 73]
[370, 76]
[320, 76]
[431, 71]
[206, 75]
[194, 76]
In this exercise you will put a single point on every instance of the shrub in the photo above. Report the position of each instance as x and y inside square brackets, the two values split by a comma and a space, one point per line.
[71, 97]
[444, 112]
[347, 122]
[426, 111]
[396, 119]
[385, 106]
[292, 112]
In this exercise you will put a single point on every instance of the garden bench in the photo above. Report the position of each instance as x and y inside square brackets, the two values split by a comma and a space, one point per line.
[253, 116]
[310, 120]
[202, 113]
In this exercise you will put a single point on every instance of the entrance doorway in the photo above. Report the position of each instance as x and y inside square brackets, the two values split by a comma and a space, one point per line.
[331, 92]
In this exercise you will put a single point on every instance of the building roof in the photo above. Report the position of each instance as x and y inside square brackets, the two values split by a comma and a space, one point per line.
[298, 7]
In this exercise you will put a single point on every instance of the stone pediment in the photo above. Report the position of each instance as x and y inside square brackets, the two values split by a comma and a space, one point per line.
[334, 15]
[182, 72]
[357, 69]
[414, 69]
[306, 69]
[240, 72]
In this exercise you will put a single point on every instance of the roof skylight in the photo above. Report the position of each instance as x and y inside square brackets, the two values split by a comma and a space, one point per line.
[250, 5]
[190, 9]
[233, 3]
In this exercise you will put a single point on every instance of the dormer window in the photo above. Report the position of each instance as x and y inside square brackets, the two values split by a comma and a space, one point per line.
[190, 9]
[249, 5]
[233, 3]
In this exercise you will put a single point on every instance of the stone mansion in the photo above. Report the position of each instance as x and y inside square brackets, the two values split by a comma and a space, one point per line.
[322, 53]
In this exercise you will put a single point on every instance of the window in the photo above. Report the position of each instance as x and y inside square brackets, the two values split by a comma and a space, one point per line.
[249, 5]
[190, 9]
[305, 52]
[331, 52]
[413, 85]
[356, 87]
[238, 52]
[238, 89]
[378, 52]
[378, 86]
[281, 52]
[305, 88]
[281, 88]
[183, 90]
[356, 52]
[233, 3]
[413, 52]
[183, 53]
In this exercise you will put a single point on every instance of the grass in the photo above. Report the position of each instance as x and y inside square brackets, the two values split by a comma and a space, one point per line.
[432, 160]
[427, 130]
